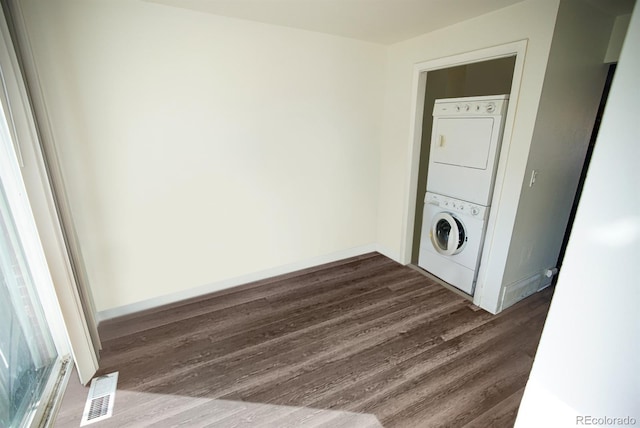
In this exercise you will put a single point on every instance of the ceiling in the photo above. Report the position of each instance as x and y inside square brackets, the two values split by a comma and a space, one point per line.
[376, 21]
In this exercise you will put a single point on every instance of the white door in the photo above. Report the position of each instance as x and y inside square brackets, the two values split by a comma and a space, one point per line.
[31, 359]
[27, 350]
[464, 142]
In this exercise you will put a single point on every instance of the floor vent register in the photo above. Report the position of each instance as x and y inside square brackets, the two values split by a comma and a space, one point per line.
[102, 394]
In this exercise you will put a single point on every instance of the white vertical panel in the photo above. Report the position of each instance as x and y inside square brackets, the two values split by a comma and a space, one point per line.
[586, 365]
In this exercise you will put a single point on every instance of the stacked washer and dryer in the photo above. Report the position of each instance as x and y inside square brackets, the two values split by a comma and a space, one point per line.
[465, 144]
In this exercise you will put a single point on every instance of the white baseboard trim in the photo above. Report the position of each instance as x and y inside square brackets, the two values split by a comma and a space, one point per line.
[393, 255]
[513, 293]
[202, 290]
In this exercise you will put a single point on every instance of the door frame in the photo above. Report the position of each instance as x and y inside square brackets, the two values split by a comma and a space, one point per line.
[64, 298]
[420, 70]
[15, 159]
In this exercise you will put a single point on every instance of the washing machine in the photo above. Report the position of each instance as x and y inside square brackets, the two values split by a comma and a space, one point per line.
[465, 145]
[451, 242]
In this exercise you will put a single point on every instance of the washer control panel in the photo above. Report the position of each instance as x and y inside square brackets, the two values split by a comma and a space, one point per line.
[456, 205]
[471, 106]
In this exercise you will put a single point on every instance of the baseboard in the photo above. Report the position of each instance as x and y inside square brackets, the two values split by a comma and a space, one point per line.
[513, 293]
[167, 299]
[393, 255]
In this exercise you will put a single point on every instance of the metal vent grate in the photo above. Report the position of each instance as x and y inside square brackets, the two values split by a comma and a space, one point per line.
[102, 394]
[99, 407]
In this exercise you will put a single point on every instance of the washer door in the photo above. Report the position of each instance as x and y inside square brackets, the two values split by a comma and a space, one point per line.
[447, 234]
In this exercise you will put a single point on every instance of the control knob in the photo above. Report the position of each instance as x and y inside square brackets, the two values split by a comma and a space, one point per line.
[475, 211]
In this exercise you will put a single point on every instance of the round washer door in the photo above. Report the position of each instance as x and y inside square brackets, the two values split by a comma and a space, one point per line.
[447, 234]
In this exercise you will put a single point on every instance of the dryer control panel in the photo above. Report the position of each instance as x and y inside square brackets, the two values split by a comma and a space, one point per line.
[471, 106]
[456, 205]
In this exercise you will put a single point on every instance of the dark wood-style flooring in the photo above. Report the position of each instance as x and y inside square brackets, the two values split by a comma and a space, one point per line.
[361, 342]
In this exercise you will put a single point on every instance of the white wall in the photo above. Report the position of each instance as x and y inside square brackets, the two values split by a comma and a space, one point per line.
[571, 94]
[587, 360]
[199, 148]
[531, 20]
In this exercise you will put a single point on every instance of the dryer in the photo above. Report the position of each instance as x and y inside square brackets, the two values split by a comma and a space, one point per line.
[451, 242]
[465, 145]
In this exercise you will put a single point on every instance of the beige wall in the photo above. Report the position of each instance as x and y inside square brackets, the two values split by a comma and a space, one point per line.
[573, 86]
[199, 148]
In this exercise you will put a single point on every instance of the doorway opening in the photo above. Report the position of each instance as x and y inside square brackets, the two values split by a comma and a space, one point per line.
[489, 282]
[491, 77]
[585, 166]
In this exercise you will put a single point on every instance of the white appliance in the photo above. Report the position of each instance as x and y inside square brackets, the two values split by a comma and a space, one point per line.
[451, 241]
[465, 143]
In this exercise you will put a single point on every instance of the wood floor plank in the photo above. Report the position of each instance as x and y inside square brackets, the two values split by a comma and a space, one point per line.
[284, 351]
[360, 342]
[191, 353]
[380, 382]
[501, 415]
[457, 402]
[375, 345]
[193, 340]
[190, 308]
[208, 311]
